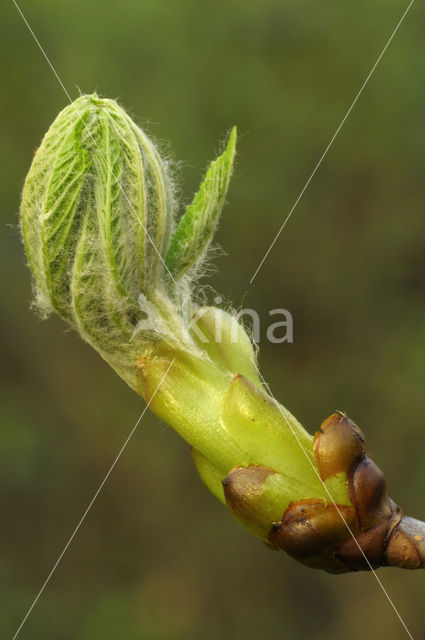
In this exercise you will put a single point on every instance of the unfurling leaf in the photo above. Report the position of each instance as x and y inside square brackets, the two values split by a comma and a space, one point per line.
[198, 224]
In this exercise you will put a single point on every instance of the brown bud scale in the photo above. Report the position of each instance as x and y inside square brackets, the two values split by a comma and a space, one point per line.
[339, 538]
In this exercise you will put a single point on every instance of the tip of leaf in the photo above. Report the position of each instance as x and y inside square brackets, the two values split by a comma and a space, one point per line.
[232, 138]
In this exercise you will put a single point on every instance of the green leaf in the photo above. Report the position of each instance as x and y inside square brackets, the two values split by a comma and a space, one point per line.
[198, 224]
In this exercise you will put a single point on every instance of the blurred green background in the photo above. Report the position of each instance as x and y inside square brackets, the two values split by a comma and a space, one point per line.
[157, 558]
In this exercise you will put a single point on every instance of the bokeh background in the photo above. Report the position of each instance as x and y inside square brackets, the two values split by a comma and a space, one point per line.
[157, 558]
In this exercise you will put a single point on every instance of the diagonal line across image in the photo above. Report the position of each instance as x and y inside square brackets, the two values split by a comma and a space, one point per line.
[252, 279]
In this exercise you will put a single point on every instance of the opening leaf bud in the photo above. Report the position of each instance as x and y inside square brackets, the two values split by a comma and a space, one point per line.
[97, 221]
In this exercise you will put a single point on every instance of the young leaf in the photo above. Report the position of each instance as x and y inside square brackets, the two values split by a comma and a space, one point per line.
[197, 226]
